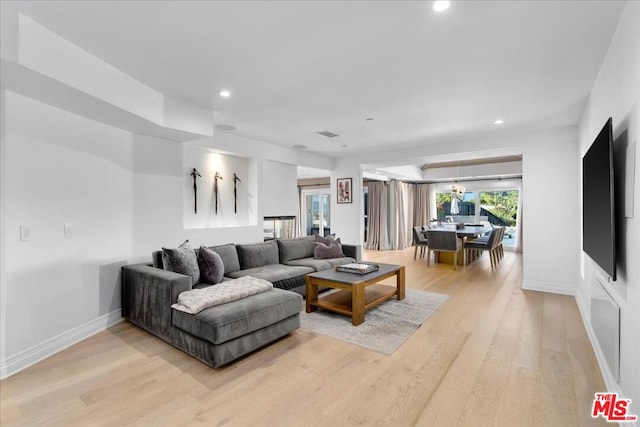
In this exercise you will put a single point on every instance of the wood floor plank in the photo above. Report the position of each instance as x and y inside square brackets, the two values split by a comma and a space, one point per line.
[520, 403]
[557, 380]
[493, 354]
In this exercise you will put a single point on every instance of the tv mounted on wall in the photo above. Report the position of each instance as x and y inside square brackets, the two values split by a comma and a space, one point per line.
[598, 208]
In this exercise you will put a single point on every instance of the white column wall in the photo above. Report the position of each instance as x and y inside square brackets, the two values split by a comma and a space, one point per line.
[347, 219]
[550, 216]
[279, 189]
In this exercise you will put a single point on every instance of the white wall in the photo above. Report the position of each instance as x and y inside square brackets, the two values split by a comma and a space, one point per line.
[61, 168]
[616, 94]
[279, 189]
[46, 52]
[550, 216]
[163, 192]
[347, 219]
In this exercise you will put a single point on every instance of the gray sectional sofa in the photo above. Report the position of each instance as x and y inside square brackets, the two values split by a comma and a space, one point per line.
[220, 334]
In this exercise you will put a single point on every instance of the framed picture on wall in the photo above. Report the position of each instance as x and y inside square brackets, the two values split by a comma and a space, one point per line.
[344, 190]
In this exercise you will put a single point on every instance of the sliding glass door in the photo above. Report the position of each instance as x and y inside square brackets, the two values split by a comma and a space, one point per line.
[500, 207]
[480, 203]
[316, 212]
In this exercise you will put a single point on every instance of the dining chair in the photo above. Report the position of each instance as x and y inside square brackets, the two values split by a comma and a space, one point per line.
[419, 240]
[443, 241]
[499, 246]
[490, 245]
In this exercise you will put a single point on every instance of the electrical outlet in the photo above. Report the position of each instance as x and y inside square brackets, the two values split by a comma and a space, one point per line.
[25, 233]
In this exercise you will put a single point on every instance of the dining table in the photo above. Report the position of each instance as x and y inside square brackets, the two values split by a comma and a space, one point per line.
[466, 232]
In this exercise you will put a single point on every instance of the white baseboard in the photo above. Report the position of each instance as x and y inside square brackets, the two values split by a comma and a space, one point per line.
[18, 362]
[550, 287]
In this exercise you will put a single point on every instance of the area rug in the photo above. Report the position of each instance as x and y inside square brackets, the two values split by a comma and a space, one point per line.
[385, 327]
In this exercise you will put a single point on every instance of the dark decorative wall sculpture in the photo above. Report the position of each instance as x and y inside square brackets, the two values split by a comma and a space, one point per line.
[195, 174]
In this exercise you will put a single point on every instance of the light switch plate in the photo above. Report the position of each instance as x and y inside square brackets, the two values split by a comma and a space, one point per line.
[68, 230]
[25, 233]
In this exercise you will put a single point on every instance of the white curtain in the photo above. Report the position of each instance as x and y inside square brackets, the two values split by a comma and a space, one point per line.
[298, 229]
[424, 198]
[394, 209]
[400, 214]
[377, 229]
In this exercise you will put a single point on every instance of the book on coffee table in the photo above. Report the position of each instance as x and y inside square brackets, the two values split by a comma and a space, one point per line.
[358, 268]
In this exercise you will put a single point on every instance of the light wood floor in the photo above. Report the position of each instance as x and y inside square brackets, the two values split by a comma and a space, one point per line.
[492, 355]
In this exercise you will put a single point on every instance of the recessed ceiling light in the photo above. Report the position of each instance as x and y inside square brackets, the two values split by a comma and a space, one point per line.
[225, 93]
[498, 122]
[377, 172]
[369, 119]
[441, 6]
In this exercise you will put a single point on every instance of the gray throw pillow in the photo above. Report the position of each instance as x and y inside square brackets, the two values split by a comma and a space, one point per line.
[182, 260]
[327, 240]
[211, 266]
[322, 251]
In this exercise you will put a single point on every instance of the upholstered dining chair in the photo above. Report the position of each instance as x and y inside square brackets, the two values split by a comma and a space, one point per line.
[490, 245]
[443, 241]
[498, 243]
[419, 240]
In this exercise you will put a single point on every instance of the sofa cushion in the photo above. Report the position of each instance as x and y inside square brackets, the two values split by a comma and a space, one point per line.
[229, 256]
[334, 262]
[316, 264]
[326, 240]
[182, 260]
[296, 248]
[321, 264]
[254, 255]
[211, 266]
[322, 251]
[273, 272]
[228, 321]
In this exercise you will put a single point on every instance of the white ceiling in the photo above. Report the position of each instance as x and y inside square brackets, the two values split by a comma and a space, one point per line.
[298, 67]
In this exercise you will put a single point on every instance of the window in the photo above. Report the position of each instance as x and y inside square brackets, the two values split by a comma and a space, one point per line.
[466, 206]
[443, 204]
[501, 209]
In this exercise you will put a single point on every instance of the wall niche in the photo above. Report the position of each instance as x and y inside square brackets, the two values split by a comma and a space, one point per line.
[233, 209]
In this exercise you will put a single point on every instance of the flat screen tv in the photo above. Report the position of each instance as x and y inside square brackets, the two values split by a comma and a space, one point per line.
[598, 213]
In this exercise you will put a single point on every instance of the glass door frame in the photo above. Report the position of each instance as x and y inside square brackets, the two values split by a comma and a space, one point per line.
[304, 209]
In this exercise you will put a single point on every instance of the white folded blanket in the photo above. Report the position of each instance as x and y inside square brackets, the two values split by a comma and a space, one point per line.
[196, 300]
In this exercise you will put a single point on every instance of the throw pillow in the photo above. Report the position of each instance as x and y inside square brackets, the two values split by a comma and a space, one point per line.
[322, 251]
[327, 240]
[211, 266]
[182, 260]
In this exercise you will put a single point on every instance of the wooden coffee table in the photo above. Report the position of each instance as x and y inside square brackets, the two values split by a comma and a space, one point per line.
[356, 295]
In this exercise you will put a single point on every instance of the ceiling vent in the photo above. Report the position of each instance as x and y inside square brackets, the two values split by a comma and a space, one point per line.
[328, 134]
